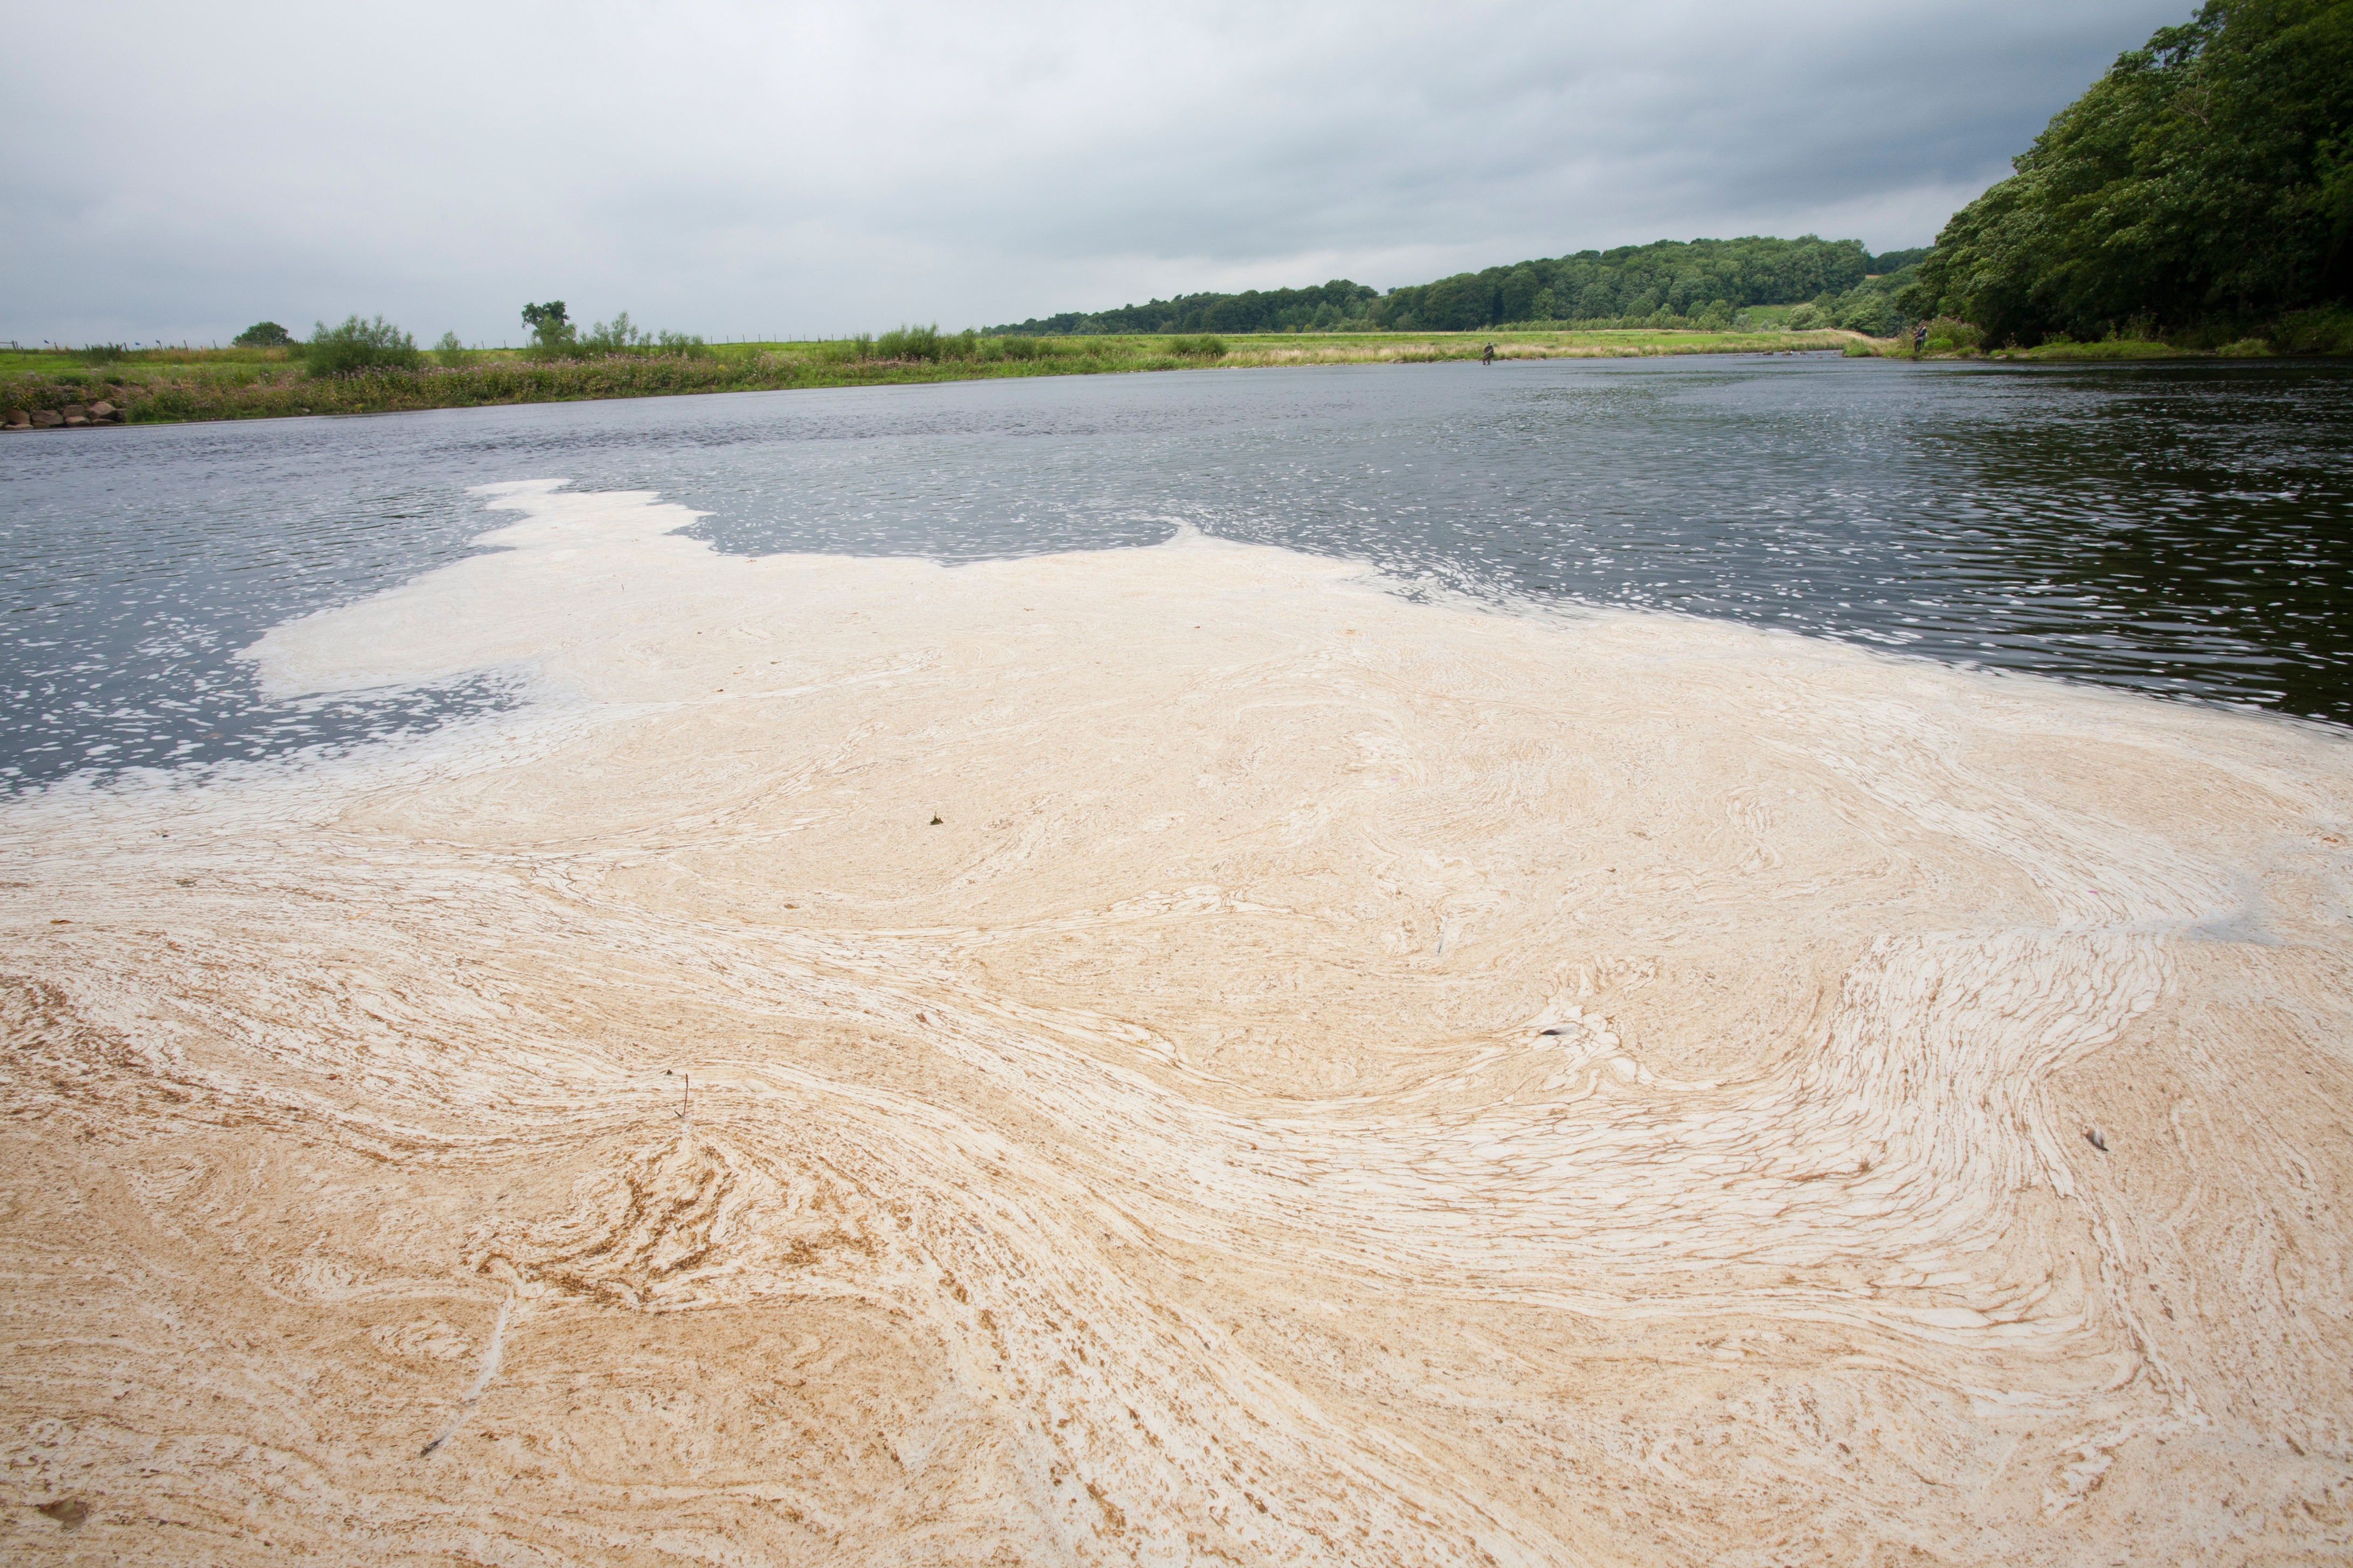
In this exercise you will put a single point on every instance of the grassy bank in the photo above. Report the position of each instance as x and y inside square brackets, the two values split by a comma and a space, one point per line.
[2105, 351]
[173, 385]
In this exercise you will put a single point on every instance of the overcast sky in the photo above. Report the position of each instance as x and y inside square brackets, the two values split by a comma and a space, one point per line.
[761, 169]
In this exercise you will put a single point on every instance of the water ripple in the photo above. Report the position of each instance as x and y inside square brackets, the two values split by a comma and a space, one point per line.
[2177, 530]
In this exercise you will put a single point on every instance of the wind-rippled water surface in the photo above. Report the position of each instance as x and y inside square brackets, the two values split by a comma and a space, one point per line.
[2181, 529]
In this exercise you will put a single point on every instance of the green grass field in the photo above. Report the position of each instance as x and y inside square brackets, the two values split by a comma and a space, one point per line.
[243, 384]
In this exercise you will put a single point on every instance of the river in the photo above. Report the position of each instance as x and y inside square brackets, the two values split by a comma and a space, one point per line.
[2181, 530]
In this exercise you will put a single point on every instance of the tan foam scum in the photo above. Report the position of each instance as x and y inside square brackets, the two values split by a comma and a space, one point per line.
[1171, 1055]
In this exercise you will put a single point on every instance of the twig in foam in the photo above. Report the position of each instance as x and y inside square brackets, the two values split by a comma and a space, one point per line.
[473, 1395]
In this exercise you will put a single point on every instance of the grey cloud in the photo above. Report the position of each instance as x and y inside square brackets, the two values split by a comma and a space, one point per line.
[745, 169]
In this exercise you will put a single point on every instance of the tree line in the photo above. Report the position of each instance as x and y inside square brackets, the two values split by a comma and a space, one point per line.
[1665, 284]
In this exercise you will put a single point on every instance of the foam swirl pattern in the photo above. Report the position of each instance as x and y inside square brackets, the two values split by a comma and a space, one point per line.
[1342, 1080]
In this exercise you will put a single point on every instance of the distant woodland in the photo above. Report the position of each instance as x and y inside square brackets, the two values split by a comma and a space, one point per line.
[1701, 283]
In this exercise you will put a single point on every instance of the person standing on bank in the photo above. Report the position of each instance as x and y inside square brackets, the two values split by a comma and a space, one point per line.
[1920, 338]
[1488, 356]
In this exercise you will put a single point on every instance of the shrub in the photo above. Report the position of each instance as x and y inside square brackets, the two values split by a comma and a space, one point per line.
[263, 335]
[2326, 331]
[359, 345]
[1202, 347]
[1807, 319]
[1948, 336]
[101, 353]
[927, 343]
[2245, 348]
[1024, 348]
[556, 337]
[909, 342]
[449, 351]
[2068, 349]
[618, 336]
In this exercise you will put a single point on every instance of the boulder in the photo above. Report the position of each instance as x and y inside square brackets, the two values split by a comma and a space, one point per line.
[101, 409]
[47, 418]
[74, 419]
[19, 420]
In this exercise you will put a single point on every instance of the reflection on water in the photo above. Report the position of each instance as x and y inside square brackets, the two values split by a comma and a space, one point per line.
[2176, 529]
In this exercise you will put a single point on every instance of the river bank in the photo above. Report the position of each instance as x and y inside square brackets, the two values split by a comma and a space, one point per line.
[2304, 334]
[175, 385]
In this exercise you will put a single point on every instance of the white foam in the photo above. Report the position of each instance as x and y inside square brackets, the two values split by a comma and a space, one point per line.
[1168, 1139]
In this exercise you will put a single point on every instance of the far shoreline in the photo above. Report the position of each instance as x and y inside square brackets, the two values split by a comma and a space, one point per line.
[61, 389]
[52, 390]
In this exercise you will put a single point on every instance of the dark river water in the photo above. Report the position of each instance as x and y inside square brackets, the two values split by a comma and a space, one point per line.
[2185, 530]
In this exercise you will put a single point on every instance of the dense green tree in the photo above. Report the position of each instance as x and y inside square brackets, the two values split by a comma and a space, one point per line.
[2206, 180]
[1517, 298]
[1463, 303]
[263, 335]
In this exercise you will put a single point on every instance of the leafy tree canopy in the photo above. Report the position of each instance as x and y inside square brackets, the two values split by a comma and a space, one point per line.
[550, 325]
[2206, 180]
[263, 335]
[1671, 279]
